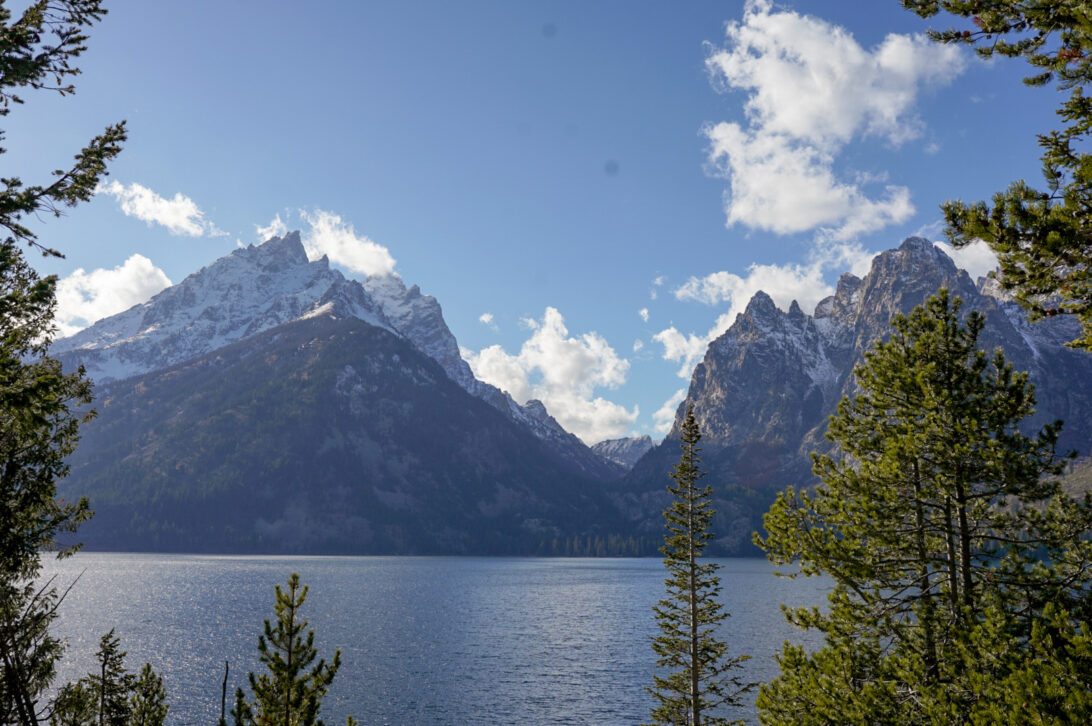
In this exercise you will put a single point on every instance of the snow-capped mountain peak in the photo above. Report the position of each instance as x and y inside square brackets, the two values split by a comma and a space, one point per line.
[250, 290]
[260, 287]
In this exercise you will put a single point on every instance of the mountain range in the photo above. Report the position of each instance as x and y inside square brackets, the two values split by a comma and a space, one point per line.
[267, 403]
[766, 388]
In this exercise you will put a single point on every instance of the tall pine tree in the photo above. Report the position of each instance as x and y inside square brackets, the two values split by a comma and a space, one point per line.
[939, 522]
[700, 682]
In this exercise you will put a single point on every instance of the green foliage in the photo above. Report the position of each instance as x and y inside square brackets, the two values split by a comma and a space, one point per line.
[36, 52]
[111, 684]
[944, 530]
[111, 696]
[38, 426]
[75, 705]
[38, 429]
[700, 679]
[291, 693]
[1043, 237]
[148, 699]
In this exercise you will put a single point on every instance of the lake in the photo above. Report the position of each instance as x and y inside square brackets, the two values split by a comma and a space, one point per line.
[424, 640]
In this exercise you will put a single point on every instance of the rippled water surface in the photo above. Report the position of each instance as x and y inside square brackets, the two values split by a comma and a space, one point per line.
[423, 640]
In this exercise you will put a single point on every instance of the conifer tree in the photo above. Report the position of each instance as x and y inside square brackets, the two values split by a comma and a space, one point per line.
[112, 696]
[700, 681]
[110, 685]
[148, 699]
[291, 693]
[943, 528]
[75, 705]
[1042, 236]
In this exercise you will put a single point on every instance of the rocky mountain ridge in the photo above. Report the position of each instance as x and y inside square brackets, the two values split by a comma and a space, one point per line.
[766, 387]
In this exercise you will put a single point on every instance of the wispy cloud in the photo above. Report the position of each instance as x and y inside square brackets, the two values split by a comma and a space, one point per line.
[86, 297]
[564, 373]
[812, 89]
[277, 227]
[179, 214]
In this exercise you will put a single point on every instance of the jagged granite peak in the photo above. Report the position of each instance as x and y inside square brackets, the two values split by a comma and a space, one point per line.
[844, 299]
[766, 388]
[283, 252]
[834, 315]
[766, 358]
[761, 305]
[534, 414]
[250, 290]
[848, 285]
[625, 451]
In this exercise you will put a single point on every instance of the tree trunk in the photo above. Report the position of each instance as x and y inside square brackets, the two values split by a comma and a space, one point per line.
[953, 572]
[694, 663]
[924, 584]
[966, 566]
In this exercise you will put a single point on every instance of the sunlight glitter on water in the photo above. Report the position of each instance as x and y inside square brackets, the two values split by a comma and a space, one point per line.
[444, 640]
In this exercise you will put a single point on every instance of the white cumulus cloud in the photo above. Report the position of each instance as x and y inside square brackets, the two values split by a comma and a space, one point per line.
[664, 418]
[564, 373]
[811, 89]
[86, 297]
[331, 236]
[785, 187]
[179, 214]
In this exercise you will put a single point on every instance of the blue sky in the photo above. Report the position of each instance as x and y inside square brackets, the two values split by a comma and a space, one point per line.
[591, 190]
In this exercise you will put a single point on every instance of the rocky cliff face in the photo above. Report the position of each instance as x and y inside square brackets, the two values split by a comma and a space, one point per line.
[766, 387]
